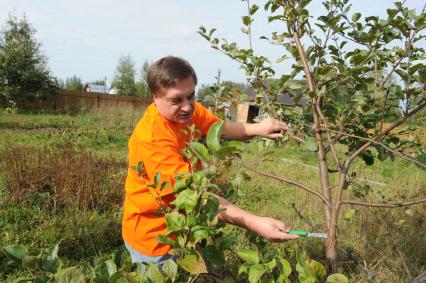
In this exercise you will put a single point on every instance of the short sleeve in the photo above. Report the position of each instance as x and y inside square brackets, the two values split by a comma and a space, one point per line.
[203, 118]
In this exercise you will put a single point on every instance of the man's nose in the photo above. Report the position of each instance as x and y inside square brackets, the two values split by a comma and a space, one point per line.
[187, 106]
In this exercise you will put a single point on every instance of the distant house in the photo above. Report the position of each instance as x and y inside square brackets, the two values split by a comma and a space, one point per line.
[248, 111]
[96, 88]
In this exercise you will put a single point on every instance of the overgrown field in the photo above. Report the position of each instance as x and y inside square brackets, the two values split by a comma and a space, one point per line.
[62, 181]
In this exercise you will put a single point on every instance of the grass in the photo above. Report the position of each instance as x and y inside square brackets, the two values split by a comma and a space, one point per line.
[373, 235]
[35, 147]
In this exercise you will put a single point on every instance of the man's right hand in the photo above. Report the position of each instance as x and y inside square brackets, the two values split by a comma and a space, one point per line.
[272, 229]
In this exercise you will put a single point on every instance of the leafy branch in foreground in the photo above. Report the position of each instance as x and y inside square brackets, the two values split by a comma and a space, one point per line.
[201, 245]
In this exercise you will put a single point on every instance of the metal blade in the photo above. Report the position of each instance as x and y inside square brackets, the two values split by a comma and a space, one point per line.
[318, 235]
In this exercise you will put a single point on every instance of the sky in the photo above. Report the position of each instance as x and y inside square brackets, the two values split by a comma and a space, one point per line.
[87, 37]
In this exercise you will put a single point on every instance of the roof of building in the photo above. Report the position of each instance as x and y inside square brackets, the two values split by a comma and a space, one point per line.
[97, 88]
[285, 99]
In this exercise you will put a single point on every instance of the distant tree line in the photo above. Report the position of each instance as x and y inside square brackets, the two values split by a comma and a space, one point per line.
[125, 81]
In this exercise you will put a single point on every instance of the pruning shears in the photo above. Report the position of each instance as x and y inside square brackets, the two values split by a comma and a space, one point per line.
[305, 234]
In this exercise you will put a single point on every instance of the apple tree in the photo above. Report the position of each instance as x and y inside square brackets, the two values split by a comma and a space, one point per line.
[364, 77]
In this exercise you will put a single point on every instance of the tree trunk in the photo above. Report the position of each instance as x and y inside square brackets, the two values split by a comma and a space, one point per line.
[331, 242]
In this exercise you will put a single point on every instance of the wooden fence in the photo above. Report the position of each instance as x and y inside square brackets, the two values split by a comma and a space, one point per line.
[75, 100]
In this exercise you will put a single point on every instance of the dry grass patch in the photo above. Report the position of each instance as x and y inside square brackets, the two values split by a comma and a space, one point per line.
[61, 177]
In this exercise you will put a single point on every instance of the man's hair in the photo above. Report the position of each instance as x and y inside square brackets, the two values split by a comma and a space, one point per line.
[167, 71]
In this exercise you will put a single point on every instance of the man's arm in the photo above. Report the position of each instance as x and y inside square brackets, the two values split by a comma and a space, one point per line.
[270, 228]
[268, 128]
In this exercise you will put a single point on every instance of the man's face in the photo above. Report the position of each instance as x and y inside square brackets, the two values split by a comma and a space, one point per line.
[177, 103]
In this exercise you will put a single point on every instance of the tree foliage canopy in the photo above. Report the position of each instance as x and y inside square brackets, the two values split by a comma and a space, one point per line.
[73, 83]
[124, 77]
[23, 67]
[141, 84]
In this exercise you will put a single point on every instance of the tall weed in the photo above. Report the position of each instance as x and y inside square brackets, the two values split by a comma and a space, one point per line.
[56, 178]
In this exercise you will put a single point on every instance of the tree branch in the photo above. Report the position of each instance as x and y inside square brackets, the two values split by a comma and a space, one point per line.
[383, 205]
[296, 137]
[307, 71]
[393, 126]
[403, 156]
[333, 149]
[325, 183]
[288, 181]
[335, 138]
[383, 113]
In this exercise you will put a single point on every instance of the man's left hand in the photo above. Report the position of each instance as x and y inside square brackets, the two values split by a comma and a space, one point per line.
[271, 128]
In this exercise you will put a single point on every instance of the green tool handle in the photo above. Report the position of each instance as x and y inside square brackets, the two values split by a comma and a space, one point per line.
[301, 233]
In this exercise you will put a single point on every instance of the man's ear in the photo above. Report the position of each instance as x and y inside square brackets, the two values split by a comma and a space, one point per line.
[155, 97]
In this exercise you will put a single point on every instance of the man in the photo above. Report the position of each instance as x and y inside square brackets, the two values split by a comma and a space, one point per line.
[158, 141]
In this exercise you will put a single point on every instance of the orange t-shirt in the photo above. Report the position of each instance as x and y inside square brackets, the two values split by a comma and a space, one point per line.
[158, 143]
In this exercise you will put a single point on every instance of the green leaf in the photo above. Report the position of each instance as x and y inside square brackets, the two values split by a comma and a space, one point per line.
[16, 253]
[187, 200]
[166, 240]
[421, 158]
[211, 208]
[244, 268]
[154, 274]
[282, 58]
[284, 266]
[30, 262]
[255, 272]
[191, 220]
[227, 241]
[356, 16]
[170, 268]
[337, 278]
[53, 251]
[318, 268]
[174, 222]
[253, 9]
[294, 85]
[213, 136]
[194, 264]
[237, 144]
[348, 214]
[199, 178]
[164, 185]
[225, 151]
[139, 167]
[271, 264]
[70, 275]
[180, 186]
[246, 20]
[311, 144]
[368, 157]
[105, 270]
[50, 265]
[200, 150]
[185, 132]
[51, 262]
[305, 271]
[213, 255]
[157, 179]
[201, 232]
[249, 256]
